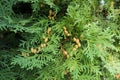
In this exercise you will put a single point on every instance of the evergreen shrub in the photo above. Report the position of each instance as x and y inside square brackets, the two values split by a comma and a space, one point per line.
[59, 40]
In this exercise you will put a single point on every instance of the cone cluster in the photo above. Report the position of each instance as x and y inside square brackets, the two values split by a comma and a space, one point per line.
[51, 15]
[42, 45]
[66, 32]
[77, 45]
[65, 53]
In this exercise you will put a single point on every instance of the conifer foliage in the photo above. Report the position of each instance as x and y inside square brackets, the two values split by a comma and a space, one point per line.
[59, 40]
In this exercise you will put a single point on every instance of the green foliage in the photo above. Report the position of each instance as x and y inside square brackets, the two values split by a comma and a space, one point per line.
[59, 40]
